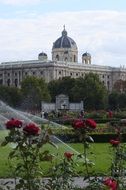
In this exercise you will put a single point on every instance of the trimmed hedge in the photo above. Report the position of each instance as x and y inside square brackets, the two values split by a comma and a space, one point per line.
[98, 138]
[70, 121]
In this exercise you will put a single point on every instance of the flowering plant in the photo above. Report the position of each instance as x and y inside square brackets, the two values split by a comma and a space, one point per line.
[111, 183]
[82, 128]
[116, 181]
[13, 123]
[31, 129]
[62, 173]
[68, 155]
[29, 140]
[114, 143]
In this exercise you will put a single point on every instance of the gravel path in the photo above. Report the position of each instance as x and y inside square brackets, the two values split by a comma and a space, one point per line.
[4, 183]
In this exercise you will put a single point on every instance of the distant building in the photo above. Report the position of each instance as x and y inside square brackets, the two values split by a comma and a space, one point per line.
[61, 104]
[64, 63]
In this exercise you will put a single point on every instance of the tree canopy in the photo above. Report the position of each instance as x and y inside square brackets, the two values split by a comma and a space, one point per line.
[61, 86]
[89, 89]
[10, 95]
[34, 90]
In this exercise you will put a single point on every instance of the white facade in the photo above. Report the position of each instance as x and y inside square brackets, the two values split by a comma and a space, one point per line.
[64, 63]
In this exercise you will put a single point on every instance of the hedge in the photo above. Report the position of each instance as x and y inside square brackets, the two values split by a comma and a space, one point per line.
[98, 138]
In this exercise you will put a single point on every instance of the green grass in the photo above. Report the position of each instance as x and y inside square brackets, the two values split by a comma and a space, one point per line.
[98, 154]
[101, 157]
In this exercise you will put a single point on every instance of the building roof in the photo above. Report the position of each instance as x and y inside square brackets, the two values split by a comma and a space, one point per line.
[64, 41]
[42, 54]
[86, 54]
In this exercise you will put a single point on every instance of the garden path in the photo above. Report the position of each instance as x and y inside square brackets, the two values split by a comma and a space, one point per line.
[78, 182]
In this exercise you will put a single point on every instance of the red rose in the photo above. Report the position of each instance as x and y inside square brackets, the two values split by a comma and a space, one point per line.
[114, 185]
[13, 123]
[78, 123]
[107, 182]
[90, 123]
[31, 129]
[110, 114]
[68, 155]
[114, 142]
[111, 183]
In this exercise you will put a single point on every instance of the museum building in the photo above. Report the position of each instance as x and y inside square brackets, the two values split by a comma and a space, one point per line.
[64, 63]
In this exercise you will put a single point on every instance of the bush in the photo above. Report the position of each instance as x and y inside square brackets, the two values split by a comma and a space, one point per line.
[98, 138]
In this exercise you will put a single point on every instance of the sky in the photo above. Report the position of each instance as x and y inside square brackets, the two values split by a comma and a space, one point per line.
[28, 27]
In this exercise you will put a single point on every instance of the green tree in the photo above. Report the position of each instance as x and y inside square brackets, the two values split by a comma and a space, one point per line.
[34, 91]
[113, 100]
[122, 100]
[61, 86]
[117, 100]
[91, 90]
[10, 95]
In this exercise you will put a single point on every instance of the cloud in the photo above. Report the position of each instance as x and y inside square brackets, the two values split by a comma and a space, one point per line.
[24, 2]
[101, 33]
[19, 2]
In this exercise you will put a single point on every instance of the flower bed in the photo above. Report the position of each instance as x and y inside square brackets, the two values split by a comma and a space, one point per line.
[30, 139]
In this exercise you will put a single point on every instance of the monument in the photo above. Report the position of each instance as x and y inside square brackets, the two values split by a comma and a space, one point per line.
[62, 103]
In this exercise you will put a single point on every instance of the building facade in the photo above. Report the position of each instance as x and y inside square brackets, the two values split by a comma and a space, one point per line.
[64, 63]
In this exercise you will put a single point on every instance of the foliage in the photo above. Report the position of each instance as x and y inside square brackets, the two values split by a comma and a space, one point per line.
[89, 89]
[34, 91]
[118, 165]
[28, 142]
[11, 95]
[117, 100]
[82, 129]
[120, 86]
[62, 173]
[61, 86]
[116, 181]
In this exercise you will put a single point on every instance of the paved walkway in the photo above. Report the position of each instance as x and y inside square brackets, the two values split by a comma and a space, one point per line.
[5, 183]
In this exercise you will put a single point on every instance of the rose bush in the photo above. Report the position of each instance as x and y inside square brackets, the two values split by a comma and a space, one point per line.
[62, 173]
[82, 129]
[84, 124]
[29, 140]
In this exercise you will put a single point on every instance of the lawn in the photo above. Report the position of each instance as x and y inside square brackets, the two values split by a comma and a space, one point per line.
[101, 156]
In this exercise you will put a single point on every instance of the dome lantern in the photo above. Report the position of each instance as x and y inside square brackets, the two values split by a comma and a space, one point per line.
[64, 32]
[62, 45]
[86, 58]
[42, 56]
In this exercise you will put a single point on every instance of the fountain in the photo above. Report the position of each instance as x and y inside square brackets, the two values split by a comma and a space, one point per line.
[7, 112]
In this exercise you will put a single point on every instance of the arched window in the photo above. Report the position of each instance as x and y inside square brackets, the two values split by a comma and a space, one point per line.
[57, 57]
[8, 82]
[1, 81]
[108, 84]
[74, 58]
[16, 82]
[65, 59]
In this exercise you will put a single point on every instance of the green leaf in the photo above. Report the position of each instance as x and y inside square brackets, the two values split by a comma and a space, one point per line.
[11, 155]
[90, 139]
[53, 144]
[4, 143]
